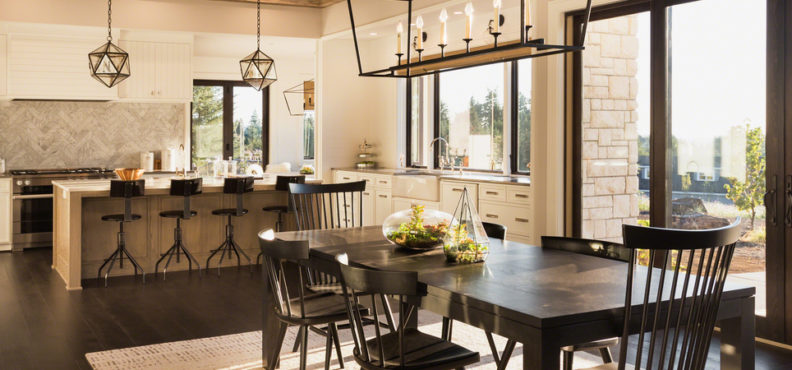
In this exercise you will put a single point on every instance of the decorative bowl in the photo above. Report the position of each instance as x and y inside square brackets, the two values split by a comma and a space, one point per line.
[127, 174]
[416, 228]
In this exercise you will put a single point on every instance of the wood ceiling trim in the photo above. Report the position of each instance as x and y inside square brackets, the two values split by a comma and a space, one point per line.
[300, 3]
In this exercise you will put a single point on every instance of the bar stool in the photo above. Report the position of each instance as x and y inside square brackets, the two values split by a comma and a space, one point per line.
[184, 188]
[238, 186]
[126, 189]
[282, 184]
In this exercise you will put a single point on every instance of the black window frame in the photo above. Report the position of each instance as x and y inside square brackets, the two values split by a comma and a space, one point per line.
[228, 118]
[513, 98]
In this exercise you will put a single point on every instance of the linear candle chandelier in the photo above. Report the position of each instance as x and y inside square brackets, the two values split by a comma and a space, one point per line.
[495, 52]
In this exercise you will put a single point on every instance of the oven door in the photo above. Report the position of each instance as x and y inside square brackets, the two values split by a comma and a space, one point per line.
[32, 223]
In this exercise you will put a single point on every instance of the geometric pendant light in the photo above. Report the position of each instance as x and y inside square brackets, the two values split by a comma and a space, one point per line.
[258, 69]
[109, 63]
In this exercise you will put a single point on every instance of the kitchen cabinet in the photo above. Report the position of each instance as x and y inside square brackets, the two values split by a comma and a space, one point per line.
[161, 71]
[450, 191]
[32, 73]
[345, 176]
[400, 204]
[368, 207]
[383, 206]
[5, 213]
[508, 205]
[3, 66]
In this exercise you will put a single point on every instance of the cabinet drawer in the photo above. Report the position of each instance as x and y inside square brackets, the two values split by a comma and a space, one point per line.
[368, 178]
[516, 219]
[5, 185]
[518, 194]
[450, 192]
[492, 192]
[382, 181]
[344, 176]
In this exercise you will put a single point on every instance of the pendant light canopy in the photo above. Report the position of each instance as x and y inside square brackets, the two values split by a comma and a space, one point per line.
[258, 69]
[109, 63]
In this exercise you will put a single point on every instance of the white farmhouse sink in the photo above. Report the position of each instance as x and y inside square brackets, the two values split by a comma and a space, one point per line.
[416, 185]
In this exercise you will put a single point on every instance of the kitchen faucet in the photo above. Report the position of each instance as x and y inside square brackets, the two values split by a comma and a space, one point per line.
[184, 168]
[443, 160]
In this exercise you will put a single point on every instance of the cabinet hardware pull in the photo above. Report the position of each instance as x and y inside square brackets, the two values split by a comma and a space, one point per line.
[366, 193]
[788, 216]
[770, 200]
[518, 195]
[518, 219]
[492, 192]
[382, 196]
[456, 189]
[383, 182]
[490, 215]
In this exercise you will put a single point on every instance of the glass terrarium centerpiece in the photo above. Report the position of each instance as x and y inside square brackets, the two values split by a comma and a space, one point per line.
[416, 228]
[466, 240]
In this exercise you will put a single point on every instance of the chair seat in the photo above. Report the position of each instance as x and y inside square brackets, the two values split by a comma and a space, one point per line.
[421, 351]
[228, 211]
[176, 214]
[282, 209]
[119, 218]
[591, 345]
[320, 308]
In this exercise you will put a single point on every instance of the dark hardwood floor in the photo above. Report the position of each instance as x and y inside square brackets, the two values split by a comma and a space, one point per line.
[42, 326]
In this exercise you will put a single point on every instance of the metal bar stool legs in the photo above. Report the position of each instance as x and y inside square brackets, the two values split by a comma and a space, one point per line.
[177, 249]
[230, 247]
[118, 255]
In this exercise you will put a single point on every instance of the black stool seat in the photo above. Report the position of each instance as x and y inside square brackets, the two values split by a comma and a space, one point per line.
[228, 211]
[120, 217]
[176, 213]
[276, 209]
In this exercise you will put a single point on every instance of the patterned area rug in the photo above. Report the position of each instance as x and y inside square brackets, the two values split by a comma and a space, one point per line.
[243, 351]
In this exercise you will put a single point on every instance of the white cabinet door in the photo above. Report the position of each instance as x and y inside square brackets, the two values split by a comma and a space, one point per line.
[5, 211]
[451, 191]
[383, 207]
[368, 207]
[3, 65]
[160, 71]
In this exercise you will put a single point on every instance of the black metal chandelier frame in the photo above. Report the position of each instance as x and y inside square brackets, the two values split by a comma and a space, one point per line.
[413, 69]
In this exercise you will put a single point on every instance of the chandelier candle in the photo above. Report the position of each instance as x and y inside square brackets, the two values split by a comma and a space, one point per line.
[496, 6]
[443, 18]
[419, 24]
[399, 30]
[468, 20]
[527, 17]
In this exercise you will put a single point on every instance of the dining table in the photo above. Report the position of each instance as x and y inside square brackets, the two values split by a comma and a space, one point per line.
[543, 298]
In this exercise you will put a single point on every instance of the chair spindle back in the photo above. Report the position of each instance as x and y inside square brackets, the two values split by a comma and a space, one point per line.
[328, 206]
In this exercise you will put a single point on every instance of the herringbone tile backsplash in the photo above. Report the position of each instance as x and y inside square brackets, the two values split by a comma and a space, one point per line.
[49, 134]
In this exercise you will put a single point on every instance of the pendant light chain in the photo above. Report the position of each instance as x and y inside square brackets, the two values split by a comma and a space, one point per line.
[109, 18]
[258, 24]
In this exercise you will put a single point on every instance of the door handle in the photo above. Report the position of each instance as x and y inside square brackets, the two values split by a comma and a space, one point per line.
[788, 214]
[770, 200]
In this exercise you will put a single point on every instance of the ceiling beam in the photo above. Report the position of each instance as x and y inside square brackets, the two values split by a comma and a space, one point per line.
[301, 3]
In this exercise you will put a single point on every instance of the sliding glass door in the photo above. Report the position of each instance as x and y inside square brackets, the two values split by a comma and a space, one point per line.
[669, 128]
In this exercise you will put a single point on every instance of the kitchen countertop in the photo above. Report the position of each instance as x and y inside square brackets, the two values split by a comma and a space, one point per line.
[447, 175]
[160, 186]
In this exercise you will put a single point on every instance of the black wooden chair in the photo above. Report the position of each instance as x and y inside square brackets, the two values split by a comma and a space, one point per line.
[328, 206]
[237, 186]
[126, 189]
[679, 329]
[402, 347]
[184, 188]
[282, 184]
[307, 309]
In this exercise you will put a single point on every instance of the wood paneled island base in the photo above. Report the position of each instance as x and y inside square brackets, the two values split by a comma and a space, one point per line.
[82, 241]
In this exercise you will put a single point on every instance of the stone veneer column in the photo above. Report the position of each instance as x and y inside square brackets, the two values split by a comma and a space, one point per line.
[610, 140]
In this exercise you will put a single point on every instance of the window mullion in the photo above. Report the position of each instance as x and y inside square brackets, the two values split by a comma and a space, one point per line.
[660, 126]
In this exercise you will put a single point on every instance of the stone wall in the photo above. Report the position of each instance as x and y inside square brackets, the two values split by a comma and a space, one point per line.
[610, 139]
[58, 134]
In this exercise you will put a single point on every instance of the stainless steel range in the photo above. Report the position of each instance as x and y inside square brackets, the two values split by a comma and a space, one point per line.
[32, 198]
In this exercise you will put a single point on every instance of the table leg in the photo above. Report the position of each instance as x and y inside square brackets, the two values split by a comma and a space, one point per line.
[541, 354]
[270, 331]
[738, 338]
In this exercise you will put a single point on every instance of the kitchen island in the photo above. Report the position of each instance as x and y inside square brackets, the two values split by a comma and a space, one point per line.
[82, 241]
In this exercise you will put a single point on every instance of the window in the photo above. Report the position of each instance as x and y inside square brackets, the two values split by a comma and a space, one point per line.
[308, 135]
[229, 119]
[467, 109]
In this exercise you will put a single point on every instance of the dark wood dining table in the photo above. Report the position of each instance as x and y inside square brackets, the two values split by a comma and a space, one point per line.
[543, 298]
